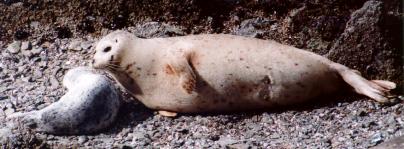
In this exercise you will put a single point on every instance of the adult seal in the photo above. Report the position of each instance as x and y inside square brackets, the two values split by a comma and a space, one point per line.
[218, 72]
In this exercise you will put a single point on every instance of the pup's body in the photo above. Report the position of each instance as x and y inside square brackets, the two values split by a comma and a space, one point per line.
[217, 72]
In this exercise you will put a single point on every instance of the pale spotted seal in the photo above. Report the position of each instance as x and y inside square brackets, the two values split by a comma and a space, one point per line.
[218, 72]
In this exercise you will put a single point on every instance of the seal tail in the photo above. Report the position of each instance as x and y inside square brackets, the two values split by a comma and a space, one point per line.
[375, 89]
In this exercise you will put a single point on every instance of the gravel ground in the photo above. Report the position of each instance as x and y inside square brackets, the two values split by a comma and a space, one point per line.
[31, 70]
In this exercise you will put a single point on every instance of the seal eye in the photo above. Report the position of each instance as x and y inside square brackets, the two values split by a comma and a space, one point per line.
[107, 49]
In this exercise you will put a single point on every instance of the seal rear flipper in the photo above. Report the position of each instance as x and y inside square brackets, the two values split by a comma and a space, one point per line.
[375, 89]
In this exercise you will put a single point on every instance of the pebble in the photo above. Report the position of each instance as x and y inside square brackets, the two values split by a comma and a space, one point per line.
[225, 141]
[14, 47]
[75, 45]
[37, 50]
[54, 82]
[140, 138]
[86, 45]
[238, 146]
[9, 109]
[37, 74]
[376, 138]
[26, 79]
[26, 45]
[26, 53]
[82, 139]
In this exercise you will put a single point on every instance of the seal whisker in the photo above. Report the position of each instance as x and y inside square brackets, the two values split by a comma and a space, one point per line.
[114, 65]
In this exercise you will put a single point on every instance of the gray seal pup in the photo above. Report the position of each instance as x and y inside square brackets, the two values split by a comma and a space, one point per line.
[90, 105]
[220, 72]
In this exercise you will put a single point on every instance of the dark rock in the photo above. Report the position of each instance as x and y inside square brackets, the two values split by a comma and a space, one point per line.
[362, 45]
[21, 34]
[63, 32]
[253, 27]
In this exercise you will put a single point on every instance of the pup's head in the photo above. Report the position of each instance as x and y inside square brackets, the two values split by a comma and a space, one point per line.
[110, 49]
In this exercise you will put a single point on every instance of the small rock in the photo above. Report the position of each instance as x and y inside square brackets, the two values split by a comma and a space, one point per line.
[37, 74]
[34, 24]
[26, 45]
[82, 139]
[141, 138]
[252, 27]
[54, 82]
[27, 53]
[9, 109]
[86, 45]
[4, 135]
[238, 146]
[26, 79]
[376, 138]
[75, 45]
[225, 141]
[37, 50]
[14, 47]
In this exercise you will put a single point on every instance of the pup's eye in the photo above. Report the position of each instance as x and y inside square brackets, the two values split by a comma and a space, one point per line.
[107, 49]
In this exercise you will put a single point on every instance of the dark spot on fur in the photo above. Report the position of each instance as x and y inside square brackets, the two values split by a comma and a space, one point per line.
[168, 69]
[154, 74]
[296, 64]
[128, 67]
[138, 68]
[248, 67]
[116, 40]
[241, 59]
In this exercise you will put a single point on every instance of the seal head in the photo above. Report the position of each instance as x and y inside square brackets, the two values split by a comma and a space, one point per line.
[108, 51]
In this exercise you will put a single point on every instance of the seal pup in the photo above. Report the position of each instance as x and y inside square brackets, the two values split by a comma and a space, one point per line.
[219, 72]
[90, 105]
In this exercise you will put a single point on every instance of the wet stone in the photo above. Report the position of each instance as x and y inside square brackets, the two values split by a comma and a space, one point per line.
[14, 47]
[26, 45]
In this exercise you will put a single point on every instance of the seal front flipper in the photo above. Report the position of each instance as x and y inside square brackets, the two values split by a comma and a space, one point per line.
[178, 65]
[375, 89]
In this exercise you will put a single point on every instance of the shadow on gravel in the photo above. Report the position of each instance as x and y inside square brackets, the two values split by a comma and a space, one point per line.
[130, 114]
[321, 102]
